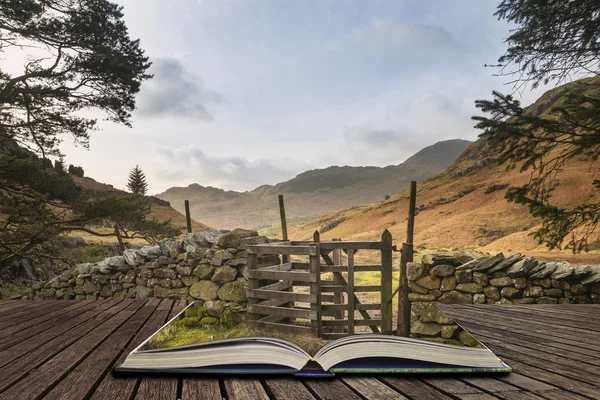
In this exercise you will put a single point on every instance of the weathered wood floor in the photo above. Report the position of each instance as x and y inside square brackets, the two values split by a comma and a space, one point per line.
[66, 350]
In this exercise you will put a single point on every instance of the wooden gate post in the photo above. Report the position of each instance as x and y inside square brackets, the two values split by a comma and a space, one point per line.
[284, 233]
[252, 283]
[386, 283]
[188, 217]
[315, 287]
[403, 324]
[338, 297]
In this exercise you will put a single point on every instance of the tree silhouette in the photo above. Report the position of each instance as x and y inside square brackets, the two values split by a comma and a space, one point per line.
[137, 181]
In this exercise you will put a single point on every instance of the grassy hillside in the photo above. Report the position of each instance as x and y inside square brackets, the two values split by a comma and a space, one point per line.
[160, 210]
[313, 192]
[464, 207]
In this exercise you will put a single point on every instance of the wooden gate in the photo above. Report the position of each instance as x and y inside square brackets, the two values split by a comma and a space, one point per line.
[326, 307]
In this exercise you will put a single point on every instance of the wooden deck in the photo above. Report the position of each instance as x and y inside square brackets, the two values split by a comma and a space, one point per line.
[66, 350]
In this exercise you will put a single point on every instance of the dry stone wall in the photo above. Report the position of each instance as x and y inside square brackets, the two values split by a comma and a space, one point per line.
[208, 267]
[461, 278]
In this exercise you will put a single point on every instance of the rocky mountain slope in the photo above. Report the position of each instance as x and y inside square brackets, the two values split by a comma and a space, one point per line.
[463, 207]
[313, 192]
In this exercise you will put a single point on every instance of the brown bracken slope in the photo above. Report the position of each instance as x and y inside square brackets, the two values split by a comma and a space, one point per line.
[464, 207]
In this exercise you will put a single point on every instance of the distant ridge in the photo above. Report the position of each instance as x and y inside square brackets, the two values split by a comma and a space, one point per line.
[314, 192]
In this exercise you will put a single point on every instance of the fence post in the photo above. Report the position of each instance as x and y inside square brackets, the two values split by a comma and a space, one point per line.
[386, 282]
[252, 283]
[188, 218]
[315, 287]
[351, 302]
[284, 258]
[403, 324]
[338, 297]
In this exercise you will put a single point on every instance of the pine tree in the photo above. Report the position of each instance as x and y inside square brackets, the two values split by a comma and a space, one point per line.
[137, 181]
[554, 40]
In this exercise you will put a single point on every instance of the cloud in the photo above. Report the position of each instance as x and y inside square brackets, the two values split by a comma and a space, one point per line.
[175, 92]
[184, 165]
[383, 36]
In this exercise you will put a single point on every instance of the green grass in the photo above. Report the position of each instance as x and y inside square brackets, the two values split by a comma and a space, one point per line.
[86, 254]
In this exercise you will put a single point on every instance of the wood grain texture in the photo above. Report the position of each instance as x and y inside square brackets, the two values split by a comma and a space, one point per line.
[73, 359]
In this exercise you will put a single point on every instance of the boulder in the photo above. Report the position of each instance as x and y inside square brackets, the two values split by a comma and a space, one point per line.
[237, 262]
[132, 257]
[420, 297]
[448, 283]
[224, 274]
[546, 300]
[472, 264]
[248, 241]
[204, 271]
[204, 290]
[428, 328]
[150, 251]
[414, 270]
[484, 266]
[562, 271]
[464, 276]
[469, 287]
[214, 308]
[233, 238]
[429, 312]
[142, 292]
[507, 262]
[234, 291]
[521, 268]
[501, 282]
[440, 258]
[454, 297]
[220, 257]
[442, 270]
[464, 257]
[510, 292]
[430, 282]
[193, 241]
[173, 294]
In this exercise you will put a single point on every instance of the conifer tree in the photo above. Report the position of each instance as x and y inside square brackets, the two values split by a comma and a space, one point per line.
[554, 41]
[137, 181]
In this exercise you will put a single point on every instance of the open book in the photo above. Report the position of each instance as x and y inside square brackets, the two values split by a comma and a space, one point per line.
[276, 353]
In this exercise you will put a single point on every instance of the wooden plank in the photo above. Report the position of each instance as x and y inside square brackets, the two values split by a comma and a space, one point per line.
[287, 296]
[282, 249]
[357, 322]
[552, 378]
[518, 396]
[287, 389]
[243, 389]
[252, 283]
[386, 283]
[357, 268]
[34, 340]
[561, 395]
[328, 298]
[351, 298]
[22, 305]
[350, 244]
[331, 389]
[315, 288]
[566, 351]
[278, 286]
[26, 316]
[87, 374]
[451, 385]
[195, 388]
[297, 329]
[506, 322]
[23, 363]
[282, 276]
[357, 307]
[357, 289]
[409, 386]
[489, 384]
[123, 386]
[157, 389]
[338, 298]
[371, 388]
[524, 382]
[282, 311]
[47, 375]
[35, 320]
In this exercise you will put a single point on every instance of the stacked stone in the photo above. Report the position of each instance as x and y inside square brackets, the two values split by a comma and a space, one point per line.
[208, 267]
[462, 278]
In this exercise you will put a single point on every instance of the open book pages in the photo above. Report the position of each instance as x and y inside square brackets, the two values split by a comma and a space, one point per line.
[184, 345]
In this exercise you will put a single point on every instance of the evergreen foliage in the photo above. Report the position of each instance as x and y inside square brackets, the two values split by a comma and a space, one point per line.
[554, 41]
[77, 171]
[137, 181]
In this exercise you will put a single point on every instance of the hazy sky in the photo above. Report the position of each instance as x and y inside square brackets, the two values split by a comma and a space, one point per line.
[248, 92]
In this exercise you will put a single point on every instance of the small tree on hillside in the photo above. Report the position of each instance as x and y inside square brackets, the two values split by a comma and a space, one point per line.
[77, 171]
[137, 181]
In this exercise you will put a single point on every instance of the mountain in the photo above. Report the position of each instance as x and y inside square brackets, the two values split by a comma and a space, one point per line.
[161, 209]
[313, 192]
[464, 206]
